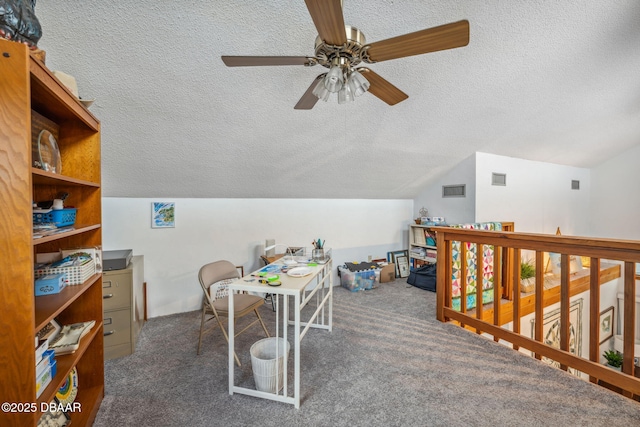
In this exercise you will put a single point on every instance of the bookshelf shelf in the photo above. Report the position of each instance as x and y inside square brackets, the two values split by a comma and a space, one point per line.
[420, 252]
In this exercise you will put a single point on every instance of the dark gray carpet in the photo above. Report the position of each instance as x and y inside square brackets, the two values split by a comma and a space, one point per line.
[388, 362]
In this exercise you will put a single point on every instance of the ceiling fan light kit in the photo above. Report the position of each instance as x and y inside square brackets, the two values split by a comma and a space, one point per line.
[347, 82]
[320, 90]
[358, 83]
[345, 95]
[334, 80]
[340, 48]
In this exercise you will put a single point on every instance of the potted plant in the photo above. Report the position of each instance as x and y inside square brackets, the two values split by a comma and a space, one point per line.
[614, 359]
[527, 276]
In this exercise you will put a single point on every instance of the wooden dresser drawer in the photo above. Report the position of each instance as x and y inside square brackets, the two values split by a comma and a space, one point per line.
[117, 327]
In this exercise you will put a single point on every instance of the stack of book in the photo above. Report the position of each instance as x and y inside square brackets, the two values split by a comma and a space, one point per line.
[45, 366]
[51, 341]
[45, 356]
[418, 252]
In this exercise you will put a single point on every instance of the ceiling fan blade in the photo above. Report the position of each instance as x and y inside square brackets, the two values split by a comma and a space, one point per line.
[328, 19]
[308, 100]
[383, 89]
[251, 61]
[448, 36]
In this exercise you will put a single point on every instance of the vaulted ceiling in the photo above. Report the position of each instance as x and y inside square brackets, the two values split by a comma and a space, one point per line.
[554, 81]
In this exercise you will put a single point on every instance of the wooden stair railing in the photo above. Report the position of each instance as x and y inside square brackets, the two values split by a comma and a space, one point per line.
[608, 258]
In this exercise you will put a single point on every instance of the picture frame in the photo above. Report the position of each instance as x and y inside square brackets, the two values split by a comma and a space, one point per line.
[607, 322]
[551, 332]
[402, 265]
[163, 215]
[240, 269]
[391, 256]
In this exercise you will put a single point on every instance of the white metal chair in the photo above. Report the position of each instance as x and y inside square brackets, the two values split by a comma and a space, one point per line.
[214, 279]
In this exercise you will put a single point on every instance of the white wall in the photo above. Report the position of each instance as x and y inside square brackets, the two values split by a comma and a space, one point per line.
[538, 196]
[615, 201]
[455, 210]
[235, 229]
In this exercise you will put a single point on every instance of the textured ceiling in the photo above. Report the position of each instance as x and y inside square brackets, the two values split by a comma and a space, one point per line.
[546, 80]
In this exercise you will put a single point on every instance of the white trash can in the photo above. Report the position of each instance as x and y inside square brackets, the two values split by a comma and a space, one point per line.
[264, 363]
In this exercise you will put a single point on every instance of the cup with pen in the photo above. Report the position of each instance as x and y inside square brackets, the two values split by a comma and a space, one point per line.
[318, 250]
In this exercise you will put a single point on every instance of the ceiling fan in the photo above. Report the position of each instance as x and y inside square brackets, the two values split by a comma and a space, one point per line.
[340, 48]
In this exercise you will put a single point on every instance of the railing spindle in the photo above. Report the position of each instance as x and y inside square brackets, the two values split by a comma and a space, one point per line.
[629, 318]
[497, 286]
[539, 304]
[564, 305]
[463, 277]
[515, 255]
[479, 283]
[594, 312]
[443, 275]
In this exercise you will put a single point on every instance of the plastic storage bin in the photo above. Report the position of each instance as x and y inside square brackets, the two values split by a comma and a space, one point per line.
[265, 366]
[60, 217]
[359, 280]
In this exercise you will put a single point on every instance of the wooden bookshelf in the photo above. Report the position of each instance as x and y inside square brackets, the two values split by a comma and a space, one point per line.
[31, 99]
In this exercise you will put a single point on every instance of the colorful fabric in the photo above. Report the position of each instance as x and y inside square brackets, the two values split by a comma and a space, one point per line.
[472, 274]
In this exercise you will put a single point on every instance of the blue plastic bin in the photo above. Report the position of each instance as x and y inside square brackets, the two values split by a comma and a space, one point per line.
[60, 217]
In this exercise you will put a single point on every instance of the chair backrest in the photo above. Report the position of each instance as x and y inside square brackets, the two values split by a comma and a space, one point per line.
[216, 272]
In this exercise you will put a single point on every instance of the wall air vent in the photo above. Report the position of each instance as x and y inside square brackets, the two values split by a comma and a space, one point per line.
[454, 190]
[575, 184]
[499, 179]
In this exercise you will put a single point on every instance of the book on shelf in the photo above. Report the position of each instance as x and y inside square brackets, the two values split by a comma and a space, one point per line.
[49, 331]
[68, 339]
[43, 232]
[418, 236]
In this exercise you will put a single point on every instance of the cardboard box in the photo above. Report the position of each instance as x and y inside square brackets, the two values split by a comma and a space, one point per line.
[387, 273]
[50, 284]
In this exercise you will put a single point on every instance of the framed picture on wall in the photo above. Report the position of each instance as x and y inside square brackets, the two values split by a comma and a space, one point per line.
[163, 215]
[606, 324]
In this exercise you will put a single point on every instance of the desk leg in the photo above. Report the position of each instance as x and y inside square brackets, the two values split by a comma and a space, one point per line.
[285, 303]
[330, 296]
[296, 354]
[232, 334]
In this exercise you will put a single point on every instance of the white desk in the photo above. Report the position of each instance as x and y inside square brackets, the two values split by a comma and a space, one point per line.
[317, 285]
